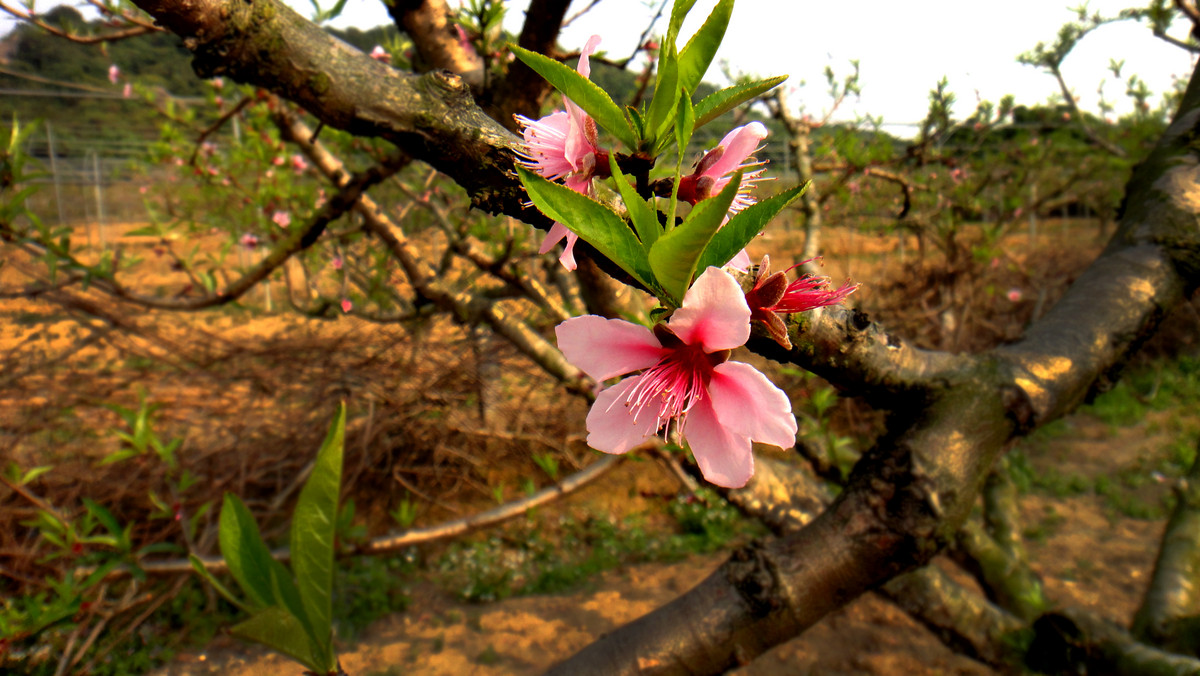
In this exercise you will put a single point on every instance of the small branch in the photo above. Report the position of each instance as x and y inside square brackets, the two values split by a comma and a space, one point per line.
[211, 129]
[417, 536]
[135, 30]
[1081, 122]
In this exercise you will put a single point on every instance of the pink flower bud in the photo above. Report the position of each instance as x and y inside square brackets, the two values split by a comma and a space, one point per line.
[114, 73]
[347, 305]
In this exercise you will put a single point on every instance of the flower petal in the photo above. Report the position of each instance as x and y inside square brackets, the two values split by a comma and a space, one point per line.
[611, 426]
[585, 66]
[739, 144]
[606, 348]
[714, 313]
[747, 403]
[725, 457]
[554, 236]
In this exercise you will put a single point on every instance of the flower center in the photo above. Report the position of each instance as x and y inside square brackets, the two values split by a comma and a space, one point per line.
[670, 388]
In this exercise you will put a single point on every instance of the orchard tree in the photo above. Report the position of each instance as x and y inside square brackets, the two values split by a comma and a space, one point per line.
[613, 184]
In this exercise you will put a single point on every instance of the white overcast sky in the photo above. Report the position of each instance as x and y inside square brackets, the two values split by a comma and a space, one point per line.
[903, 48]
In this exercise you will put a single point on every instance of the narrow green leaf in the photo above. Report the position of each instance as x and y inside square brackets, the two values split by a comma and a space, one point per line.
[635, 118]
[208, 577]
[685, 124]
[314, 526]
[102, 515]
[642, 213]
[283, 632]
[674, 256]
[666, 95]
[718, 103]
[582, 92]
[679, 12]
[696, 56]
[745, 226]
[248, 557]
[595, 223]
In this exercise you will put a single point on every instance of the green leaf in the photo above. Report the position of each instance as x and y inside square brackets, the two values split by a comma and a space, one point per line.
[696, 56]
[314, 526]
[718, 103]
[595, 223]
[35, 473]
[641, 212]
[265, 580]
[685, 124]
[679, 12]
[674, 256]
[745, 226]
[208, 577]
[102, 515]
[283, 632]
[666, 95]
[582, 92]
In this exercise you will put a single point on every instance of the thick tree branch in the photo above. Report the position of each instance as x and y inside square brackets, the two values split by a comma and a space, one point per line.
[1170, 613]
[430, 25]
[430, 116]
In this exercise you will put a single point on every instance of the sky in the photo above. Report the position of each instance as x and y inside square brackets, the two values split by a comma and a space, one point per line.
[903, 48]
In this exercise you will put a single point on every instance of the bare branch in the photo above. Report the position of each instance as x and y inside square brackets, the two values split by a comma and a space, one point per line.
[138, 28]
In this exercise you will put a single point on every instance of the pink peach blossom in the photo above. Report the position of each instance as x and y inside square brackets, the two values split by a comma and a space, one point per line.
[249, 240]
[563, 146]
[127, 91]
[298, 164]
[380, 54]
[347, 305]
[713, 171]
[718, 406]
[114, 73]
[282, 218]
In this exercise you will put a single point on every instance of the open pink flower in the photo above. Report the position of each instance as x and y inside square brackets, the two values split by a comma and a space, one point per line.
[282, 218]
[713, 171]
[718, 406]
[563, 145]
[114, 73]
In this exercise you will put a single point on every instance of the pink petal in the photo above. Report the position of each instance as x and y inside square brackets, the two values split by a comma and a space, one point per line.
[585, 66]
[748, 404]
[739, 144]
[606, 348]
[554, 236]
[714, 313]
[611, 427]
[567, 257]
[558, 231]
[725, 457]
[741, 261]
[546, 144]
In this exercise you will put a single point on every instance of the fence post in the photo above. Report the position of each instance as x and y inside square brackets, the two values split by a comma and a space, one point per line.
[99, 190]
[54, 172]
